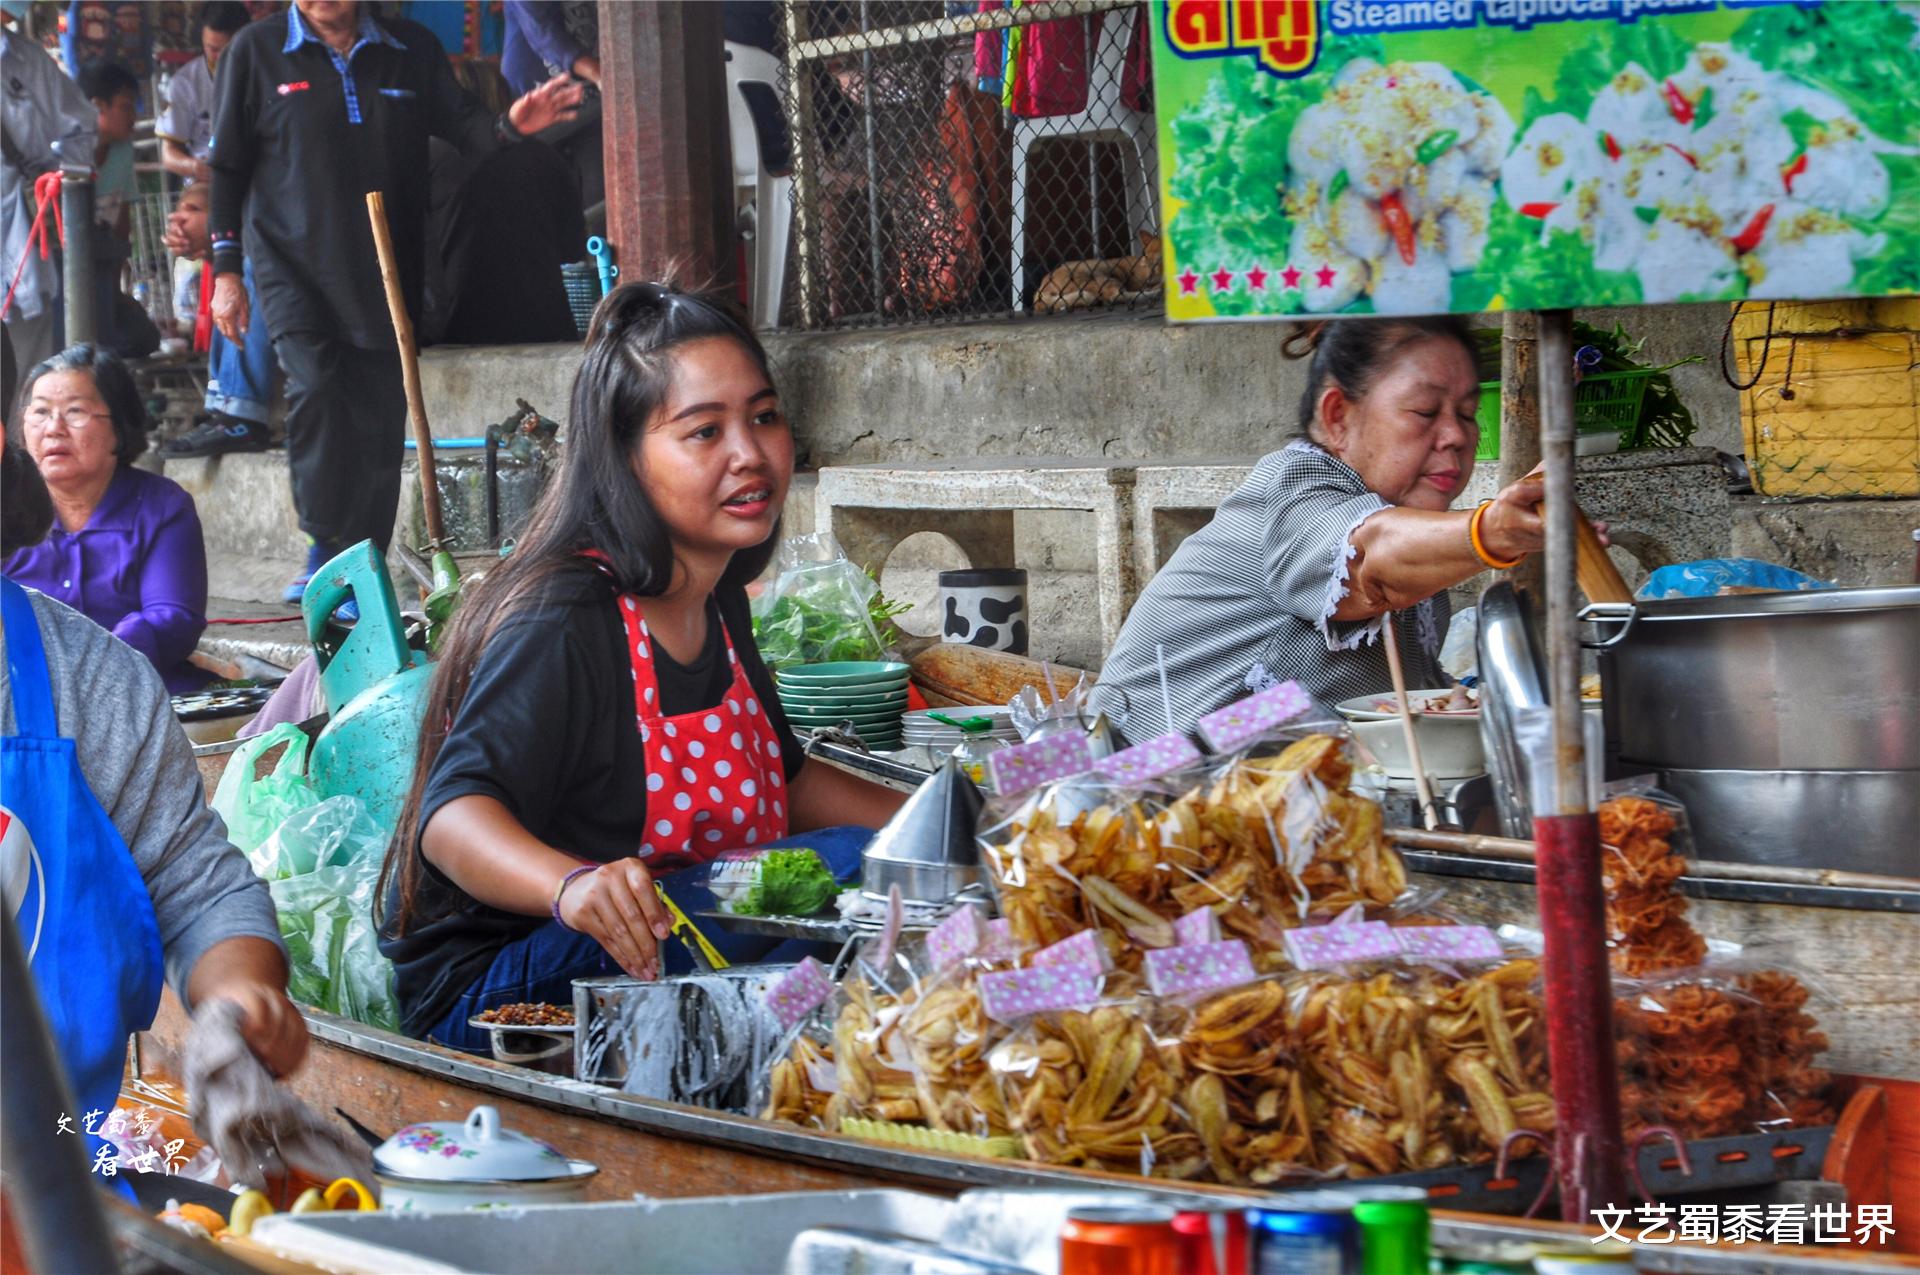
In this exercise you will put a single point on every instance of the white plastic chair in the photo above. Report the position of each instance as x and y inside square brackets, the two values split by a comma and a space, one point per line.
[767, 217]
[1104, 120]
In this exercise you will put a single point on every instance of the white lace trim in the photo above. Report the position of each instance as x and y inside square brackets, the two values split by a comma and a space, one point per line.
[1344, 552]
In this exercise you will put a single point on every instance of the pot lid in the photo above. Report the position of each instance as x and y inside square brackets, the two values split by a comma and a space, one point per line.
[1758, 605]
[477, 1150]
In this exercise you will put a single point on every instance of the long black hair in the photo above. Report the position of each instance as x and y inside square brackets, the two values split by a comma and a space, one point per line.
[1354, 353]
[594, 503]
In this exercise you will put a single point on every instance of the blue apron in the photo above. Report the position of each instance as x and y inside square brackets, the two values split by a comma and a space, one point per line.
[97, 955]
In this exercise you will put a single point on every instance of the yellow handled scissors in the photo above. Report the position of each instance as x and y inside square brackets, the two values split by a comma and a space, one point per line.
[703, 951]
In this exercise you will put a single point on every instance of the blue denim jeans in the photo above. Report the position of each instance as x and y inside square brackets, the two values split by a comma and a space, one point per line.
[240, 377]
[541, 967]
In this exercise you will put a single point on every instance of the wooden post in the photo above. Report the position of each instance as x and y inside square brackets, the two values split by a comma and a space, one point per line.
[666, 141]
[1520, 420]
[1589, 1158]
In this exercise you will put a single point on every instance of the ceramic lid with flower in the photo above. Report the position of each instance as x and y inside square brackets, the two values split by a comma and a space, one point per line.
[478, 1150]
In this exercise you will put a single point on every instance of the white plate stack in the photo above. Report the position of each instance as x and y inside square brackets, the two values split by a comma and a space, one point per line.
[918, 728]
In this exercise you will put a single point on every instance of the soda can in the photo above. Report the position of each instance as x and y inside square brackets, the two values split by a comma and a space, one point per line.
[1213, 1240]
[1119, 1240]
[1312, 1233]
[1395, 1229]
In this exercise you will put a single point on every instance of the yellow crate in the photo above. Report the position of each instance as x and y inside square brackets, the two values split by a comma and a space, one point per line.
[1836, 411]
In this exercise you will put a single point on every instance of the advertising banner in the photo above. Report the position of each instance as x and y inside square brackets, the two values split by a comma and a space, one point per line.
[1424, 156]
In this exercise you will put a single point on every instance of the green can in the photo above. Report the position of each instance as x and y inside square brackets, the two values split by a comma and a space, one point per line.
[1395, 1230]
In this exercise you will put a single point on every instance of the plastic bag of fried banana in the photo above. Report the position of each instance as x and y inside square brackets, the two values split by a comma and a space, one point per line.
[1485, 1032]
[1100, 1088]
[800, 1085]
[1265, 839]
[1245, 1093]
[946, 1035]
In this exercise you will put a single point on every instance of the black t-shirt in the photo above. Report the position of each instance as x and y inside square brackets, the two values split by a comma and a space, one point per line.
[547, 729]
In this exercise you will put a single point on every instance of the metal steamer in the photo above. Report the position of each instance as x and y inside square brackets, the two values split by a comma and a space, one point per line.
[1788, 723]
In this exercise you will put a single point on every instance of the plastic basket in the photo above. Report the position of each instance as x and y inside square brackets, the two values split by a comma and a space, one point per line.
[1603, 403]
[583, 292]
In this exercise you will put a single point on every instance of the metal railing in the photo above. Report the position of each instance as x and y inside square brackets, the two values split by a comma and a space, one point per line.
[952, 164]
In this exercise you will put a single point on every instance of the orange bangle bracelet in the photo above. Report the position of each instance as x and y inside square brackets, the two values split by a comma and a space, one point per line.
[1480, 549]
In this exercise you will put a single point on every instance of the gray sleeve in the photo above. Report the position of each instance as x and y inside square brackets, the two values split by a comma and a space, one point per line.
[140, 767]
[1314, 505]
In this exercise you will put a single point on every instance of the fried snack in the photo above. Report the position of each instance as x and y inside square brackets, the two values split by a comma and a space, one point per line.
[1246, 1099]
[875, 1080]
[1266, 843]
[1646, 916]
[1488, 1033]
[1362, 1043]
[1685, 1050]
[947, 1035]
[1096, 1089]
[1786, 1038]
[794, 1099]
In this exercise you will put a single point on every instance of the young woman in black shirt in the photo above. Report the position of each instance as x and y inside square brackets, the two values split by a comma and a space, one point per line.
[599, 718]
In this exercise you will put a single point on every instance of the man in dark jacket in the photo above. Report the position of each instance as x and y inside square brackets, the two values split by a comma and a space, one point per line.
[318, 106]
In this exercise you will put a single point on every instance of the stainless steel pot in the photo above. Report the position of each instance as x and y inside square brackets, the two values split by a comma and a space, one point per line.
[1789, 723]
[1779, 681]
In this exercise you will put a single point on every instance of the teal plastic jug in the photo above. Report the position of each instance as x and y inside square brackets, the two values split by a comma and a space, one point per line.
[374, 685]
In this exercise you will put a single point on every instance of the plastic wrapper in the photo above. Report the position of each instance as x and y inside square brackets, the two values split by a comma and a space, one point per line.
[1267, 840]
[947, 1036]
[1644, 842]
[253, 806]
[1486, 1033]
[1786, 1034]
[1251, 1103]
[1030, 710]
[325, 870]
[792, 882]
[1787, 1039]
[1101, 1089]
[801, 1085]
[1686, 1049]
[820, 608]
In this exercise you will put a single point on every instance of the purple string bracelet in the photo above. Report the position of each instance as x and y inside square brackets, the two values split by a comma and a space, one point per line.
[561, 889]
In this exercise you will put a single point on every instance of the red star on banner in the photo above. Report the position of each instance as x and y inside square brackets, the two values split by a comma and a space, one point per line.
[1325, 275]
[1222, 279]
[1257, 279]
[1290, 276]
[1188, 282]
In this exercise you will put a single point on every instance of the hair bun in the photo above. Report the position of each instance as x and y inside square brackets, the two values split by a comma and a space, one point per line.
[1304, 340]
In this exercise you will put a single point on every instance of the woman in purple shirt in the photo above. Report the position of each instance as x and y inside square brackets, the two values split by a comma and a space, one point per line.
[126, 548]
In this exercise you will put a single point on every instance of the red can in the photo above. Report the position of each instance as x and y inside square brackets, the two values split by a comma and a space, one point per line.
[1213, 1241]
[1130, 1240]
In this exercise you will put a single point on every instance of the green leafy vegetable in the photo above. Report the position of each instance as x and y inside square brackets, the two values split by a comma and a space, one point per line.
[1664, 421]
[1233, 169]
[1860, 53]
[790, 883]
[826, 624]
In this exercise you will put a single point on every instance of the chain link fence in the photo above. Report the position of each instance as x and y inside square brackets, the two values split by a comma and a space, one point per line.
[953, 161]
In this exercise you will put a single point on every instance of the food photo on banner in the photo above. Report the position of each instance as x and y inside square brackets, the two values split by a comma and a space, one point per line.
[1421, 156]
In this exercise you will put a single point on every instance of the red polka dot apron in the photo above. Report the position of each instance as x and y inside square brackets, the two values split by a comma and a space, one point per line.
[715, 778]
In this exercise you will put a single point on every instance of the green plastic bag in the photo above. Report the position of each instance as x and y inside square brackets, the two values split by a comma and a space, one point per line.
[254, 807]
[324, 869]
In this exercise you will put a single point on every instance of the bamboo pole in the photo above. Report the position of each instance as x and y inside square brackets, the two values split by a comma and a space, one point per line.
[409, 367]
[1516, 851]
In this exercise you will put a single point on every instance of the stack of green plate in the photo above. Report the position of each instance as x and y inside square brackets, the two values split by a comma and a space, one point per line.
[870, 693]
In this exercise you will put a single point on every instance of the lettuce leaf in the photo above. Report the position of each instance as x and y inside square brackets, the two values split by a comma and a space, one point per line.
[1863, 54]
[791, 883]
[1232, 172]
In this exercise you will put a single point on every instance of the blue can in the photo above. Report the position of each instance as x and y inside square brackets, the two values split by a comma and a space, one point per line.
[1306, 1236]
